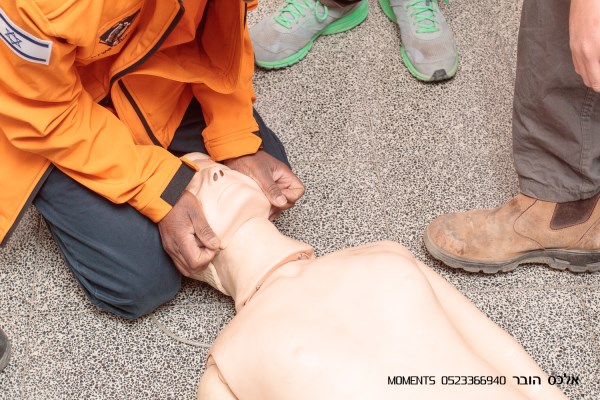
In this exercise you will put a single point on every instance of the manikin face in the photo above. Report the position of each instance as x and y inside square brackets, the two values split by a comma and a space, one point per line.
[228, 198]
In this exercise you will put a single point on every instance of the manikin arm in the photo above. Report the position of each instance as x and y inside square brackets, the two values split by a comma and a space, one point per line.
[212, 386]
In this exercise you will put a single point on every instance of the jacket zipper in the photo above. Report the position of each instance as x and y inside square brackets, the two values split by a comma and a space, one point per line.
[139, 62]
[138, 111]
[150, 52]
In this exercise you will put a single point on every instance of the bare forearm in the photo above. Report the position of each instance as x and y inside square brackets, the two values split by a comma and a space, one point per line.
[584, 37]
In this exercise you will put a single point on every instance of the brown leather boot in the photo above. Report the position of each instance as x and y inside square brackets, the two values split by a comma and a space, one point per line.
[524, 230]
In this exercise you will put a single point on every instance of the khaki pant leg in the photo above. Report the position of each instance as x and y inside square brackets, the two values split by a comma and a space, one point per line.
[556, 118]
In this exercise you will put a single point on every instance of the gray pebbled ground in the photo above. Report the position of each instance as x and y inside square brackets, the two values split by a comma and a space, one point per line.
[381, 155]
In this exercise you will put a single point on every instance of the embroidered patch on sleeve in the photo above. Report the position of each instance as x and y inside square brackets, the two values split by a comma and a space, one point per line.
[22, 43]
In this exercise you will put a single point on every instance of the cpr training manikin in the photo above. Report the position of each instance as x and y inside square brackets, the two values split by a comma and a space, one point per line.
[341, 326]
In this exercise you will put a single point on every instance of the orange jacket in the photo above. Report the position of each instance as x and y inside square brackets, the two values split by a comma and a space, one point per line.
[61, 60]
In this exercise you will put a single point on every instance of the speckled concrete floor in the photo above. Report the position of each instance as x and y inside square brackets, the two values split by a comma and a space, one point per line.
[381, 154]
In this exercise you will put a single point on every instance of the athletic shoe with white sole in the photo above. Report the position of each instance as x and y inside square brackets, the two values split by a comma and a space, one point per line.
[428, 47]
[284, 38]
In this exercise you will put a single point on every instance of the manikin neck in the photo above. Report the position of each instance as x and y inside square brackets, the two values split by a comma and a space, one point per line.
[255, 250]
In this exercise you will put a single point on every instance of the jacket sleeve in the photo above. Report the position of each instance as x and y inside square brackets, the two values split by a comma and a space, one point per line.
[252, 5]
[45, 110]
[229, 116]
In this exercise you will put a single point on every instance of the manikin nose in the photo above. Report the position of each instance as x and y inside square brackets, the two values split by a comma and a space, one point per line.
[217, 174]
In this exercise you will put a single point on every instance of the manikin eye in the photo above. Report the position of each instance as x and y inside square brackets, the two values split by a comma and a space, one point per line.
[215, 177]
[221, 172]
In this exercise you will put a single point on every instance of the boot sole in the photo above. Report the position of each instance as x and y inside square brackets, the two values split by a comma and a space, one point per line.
[439, 75]
[571, 260]
[343, 24]
[6, 357]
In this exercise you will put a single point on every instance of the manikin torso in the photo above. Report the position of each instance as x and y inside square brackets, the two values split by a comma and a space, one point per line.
[303, 337]
[334, 327]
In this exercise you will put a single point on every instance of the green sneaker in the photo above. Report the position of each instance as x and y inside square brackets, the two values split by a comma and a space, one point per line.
[284, 38]
[428, 48]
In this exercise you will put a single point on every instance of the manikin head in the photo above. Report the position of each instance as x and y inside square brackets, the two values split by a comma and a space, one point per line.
[228, 198]
[237, 211]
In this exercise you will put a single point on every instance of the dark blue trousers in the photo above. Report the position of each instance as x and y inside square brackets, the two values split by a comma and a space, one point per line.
[114, 252]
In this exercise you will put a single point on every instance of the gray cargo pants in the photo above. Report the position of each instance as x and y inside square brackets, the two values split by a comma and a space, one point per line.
[556, 118]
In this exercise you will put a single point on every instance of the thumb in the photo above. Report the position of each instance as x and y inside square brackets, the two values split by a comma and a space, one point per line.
[202, 229]
[274, 194]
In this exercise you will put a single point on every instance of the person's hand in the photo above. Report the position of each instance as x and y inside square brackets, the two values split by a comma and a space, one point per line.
[584, 32]
[275, 179]
[185, 234]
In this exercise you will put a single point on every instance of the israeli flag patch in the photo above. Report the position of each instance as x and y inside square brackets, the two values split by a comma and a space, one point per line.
[22, 43]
